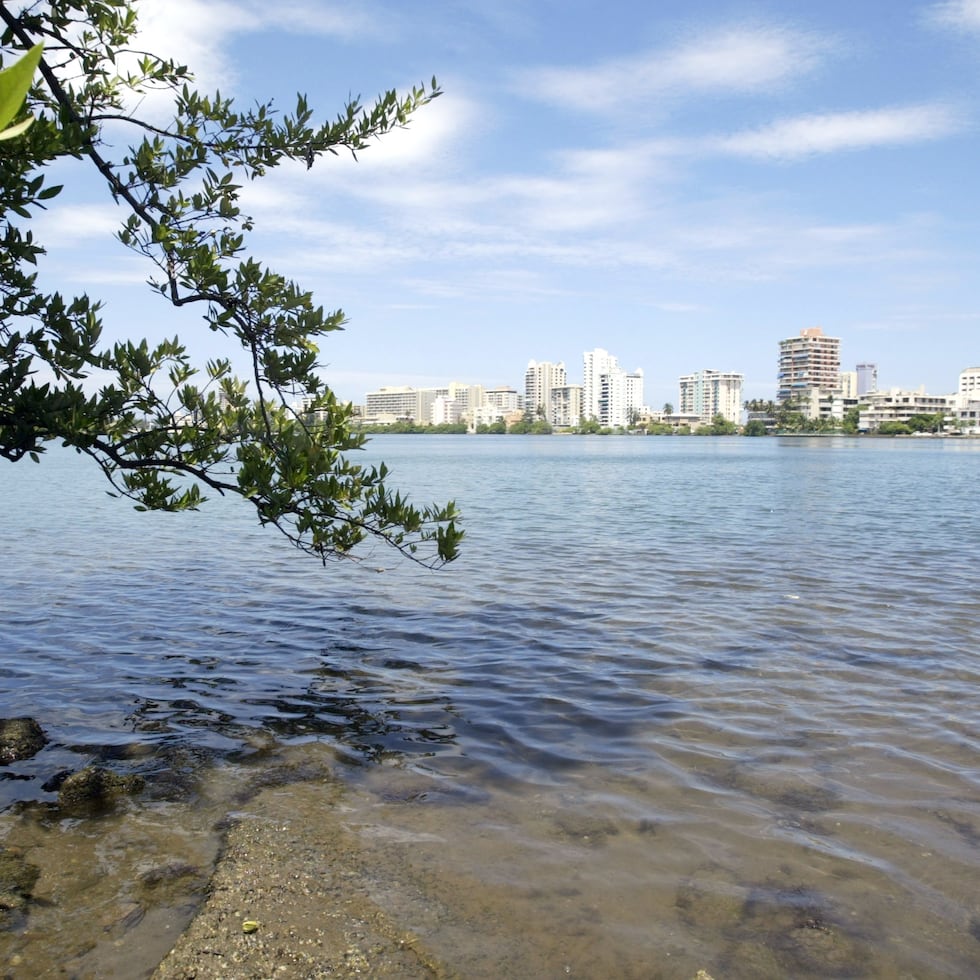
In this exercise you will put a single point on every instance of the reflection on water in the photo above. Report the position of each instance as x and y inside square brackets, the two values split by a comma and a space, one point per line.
[682, 704]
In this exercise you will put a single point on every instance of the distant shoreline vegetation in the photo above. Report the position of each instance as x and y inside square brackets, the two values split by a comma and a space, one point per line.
[918, 426]
[408, 428]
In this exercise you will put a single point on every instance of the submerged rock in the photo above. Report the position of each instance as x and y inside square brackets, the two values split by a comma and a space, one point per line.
[17, 879]
[96, 787]
[20, 738]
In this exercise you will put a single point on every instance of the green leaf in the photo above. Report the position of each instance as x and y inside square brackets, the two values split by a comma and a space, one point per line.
[15, 83]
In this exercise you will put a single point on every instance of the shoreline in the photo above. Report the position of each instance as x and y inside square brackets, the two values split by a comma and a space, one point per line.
[307, 887]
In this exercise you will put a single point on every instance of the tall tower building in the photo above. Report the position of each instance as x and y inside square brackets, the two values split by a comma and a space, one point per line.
[807, 363]
[609, 394]
[867, 379]
[596, 365]
[539, 381]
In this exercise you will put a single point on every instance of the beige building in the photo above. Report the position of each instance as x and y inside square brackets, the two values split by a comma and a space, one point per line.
[808, 361]
[467, 397]
[540, 379]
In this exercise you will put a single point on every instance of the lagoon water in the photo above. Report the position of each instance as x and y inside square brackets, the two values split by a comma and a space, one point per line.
[682, 704]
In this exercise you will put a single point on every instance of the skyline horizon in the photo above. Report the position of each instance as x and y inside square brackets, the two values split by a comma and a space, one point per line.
[520, 389]
[682, 179]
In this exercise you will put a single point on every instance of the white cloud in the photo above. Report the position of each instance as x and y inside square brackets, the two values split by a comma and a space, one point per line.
[963, 15]
[806, 136]
[587, 189]
[581, 190]
[67, 225]
[736, 60]
[129, 271]
[193, 32]
[433, 138]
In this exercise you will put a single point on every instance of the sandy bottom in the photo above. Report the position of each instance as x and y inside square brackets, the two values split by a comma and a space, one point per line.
[305, 884]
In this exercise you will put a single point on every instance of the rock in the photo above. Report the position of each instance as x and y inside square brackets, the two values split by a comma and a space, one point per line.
[20, 738]
[17, 879]
[96, 787]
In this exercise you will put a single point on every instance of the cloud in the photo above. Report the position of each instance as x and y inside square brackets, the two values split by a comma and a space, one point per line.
[738, 60]
[128, 271]
[962, 15]
[578, 190]
[193, 32]
[434, 136]
[806, 136]
[66, 225]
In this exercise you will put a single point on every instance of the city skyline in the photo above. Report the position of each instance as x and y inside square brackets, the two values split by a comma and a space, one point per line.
[817, 395]
[871, 368]
[682, 184]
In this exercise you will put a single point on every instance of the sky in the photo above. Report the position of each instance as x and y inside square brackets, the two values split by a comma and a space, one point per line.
[681, 184]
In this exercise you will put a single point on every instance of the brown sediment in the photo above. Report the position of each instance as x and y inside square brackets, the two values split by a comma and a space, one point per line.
[304, 890]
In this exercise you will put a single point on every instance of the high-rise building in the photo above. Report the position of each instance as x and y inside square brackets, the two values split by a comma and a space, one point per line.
[610, 395]
[807, 363]
[867, 379]
[634, 395]
[595, 365]
[566, 406]
[540, 379]
[710, 393]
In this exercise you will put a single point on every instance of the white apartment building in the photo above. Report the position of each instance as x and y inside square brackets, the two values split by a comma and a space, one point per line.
[634, 396]
[566, 406]
[969, 387]
[504, 398]
[485, 415]
[609, 394]
[709, 393]
[540, 379]
[897, 405]
[595, 364]
[445, 411]
[967, 411]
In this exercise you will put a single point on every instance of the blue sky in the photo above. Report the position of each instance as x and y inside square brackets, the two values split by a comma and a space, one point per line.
[682, 184]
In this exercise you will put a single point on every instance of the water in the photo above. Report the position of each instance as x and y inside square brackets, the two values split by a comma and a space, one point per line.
[684, 703]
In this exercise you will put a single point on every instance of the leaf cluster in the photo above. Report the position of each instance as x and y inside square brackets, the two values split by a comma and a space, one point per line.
[162, 428]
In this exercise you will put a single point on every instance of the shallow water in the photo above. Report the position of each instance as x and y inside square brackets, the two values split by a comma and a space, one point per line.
[683, 703]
